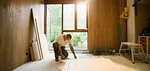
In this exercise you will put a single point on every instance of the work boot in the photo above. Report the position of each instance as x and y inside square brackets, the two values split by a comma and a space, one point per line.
[56, 60]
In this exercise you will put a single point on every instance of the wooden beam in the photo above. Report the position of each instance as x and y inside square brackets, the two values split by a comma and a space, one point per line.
[75, 30]
[75, 16]
[62, 18]
[87, 15]
[45, 19]
[62, 1]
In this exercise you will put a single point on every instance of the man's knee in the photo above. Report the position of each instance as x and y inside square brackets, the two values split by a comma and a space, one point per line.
[55, 45]
[65, 53]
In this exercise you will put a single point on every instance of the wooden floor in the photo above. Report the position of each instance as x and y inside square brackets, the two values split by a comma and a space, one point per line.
[85, 62]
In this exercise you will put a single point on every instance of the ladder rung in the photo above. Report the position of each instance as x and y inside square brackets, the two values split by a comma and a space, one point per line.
[125, 49]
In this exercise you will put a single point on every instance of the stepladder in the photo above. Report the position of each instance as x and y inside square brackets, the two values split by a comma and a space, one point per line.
[136, 49]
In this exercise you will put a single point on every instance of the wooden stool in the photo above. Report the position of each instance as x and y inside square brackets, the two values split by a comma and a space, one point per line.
[132, 47]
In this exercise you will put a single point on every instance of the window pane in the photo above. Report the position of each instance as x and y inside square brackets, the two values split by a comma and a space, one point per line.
[68, 17]
[55, 20]
[48, 25]
[79, 40]
[81, 16]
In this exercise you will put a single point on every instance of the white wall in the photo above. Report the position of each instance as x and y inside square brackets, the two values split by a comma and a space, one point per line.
[131, 22]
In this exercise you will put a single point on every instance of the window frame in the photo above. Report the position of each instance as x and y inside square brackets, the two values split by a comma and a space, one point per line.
[75, 30]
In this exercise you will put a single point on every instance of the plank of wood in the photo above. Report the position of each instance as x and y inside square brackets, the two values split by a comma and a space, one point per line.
[38, 38]
[44, 45]
[37, 34]
[32, 53]
[41, 40]
[35, 50]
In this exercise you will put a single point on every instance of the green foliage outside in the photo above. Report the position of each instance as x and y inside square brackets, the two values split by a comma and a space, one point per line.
[79, 39]
[55, 21]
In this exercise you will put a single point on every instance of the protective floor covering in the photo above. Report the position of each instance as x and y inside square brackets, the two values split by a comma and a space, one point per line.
[94, 64]
[85, 62]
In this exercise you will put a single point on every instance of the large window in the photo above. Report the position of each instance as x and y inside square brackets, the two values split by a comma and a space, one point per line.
[68, 18]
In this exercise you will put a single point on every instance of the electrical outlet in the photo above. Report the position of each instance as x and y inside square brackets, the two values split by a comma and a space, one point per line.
[27, 53]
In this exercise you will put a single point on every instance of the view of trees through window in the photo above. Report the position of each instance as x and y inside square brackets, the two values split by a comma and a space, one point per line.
[79, 39]
[54, 24]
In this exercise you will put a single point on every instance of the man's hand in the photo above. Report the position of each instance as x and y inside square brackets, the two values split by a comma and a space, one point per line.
[75, 57]
[72, 50]
[62, 57]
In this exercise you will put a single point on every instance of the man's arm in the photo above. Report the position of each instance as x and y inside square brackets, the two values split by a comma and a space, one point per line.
[72, 50]
[60, 51]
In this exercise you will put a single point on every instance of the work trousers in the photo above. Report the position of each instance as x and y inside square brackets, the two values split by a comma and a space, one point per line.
[56, 50]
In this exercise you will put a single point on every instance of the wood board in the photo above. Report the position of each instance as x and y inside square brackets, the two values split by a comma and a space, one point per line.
[41, 39]
[32, 54]
[37, 33]
[35, 51]
[44, 45]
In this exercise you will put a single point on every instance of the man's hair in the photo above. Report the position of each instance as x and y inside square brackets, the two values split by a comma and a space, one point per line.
[69, 36]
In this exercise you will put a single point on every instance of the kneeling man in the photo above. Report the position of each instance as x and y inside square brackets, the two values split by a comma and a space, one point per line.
[59, 47]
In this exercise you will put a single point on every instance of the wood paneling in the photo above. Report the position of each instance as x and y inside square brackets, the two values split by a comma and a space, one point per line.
[16, 31]
[123, 22]
[103, 30]
[141, 20]
[143, 13]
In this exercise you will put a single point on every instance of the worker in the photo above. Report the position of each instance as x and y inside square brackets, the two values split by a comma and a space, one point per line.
[59, 47]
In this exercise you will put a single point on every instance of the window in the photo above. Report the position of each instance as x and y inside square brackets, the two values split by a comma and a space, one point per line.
[68, 18]
[81, 16]
[54, 21]
[74, 18]
[79, 39]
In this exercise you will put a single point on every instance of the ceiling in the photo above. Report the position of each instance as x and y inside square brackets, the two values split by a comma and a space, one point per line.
[147, 2]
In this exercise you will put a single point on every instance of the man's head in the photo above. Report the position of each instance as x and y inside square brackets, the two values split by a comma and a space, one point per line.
[68, 36]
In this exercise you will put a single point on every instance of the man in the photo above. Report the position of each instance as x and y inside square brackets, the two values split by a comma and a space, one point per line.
[59, 47]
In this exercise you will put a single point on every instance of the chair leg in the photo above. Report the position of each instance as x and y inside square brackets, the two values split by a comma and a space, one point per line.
[139, 51]
[132, 53]
[120, 49]
[146, 61]
[129, 51]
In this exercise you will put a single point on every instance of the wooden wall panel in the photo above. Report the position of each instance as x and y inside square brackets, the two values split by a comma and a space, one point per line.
[123, 22]
[143, 11]
[104, 25]
[16, 31]
[141, 19]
